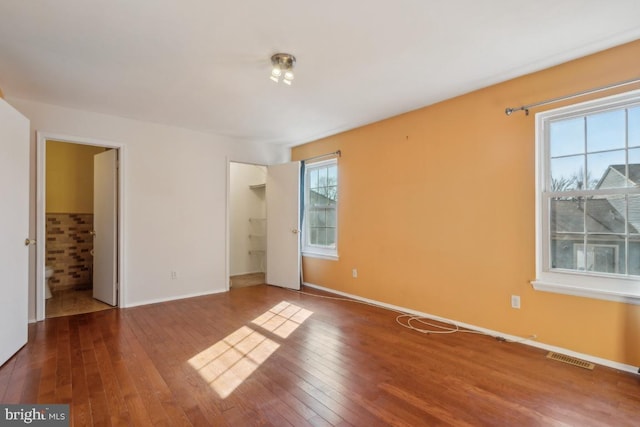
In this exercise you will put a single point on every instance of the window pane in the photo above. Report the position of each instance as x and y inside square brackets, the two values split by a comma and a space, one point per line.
[332, 194]
[566, 137]
[331, 236]
[313, 236]
[567, 173]
[608, 167]
[634, 214]
[606, 214]
[633, 120]
[562, 250]
[314, 197]
[606, 131]
[313, 178]
[333, 175]
[322, 177]
[566, 215]
[318, 218]
[634, 156]
[634, 254]
[604, 254]
[322, 237]
[331, 217]
[634, 167]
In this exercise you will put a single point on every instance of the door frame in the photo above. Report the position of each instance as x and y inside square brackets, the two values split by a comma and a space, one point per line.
[227, 265]
[41, 152]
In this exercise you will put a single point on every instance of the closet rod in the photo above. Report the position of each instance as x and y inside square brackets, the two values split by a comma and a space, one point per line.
[526, 108]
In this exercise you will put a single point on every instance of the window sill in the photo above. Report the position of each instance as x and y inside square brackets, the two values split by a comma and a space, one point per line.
[630, 294]
[329, 257]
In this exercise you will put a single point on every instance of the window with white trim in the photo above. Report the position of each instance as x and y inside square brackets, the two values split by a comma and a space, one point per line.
[588, 199]
[320, 209]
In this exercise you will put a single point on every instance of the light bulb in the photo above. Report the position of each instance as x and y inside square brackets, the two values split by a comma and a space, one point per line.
[276, 72]
[288, 75]
[286, 81]
[275, 79]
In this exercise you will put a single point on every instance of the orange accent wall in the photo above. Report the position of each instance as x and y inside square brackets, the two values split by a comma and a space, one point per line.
[437, 213]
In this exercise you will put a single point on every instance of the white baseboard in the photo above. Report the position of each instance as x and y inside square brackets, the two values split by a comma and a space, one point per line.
[587, 357]
[158, 300]
[248, 272]
[174, 298]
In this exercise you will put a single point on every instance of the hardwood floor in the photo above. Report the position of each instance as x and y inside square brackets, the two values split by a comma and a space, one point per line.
[251, 279]
[267, 356]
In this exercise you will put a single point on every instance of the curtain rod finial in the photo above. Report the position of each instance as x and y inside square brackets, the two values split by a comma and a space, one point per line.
[508, 111]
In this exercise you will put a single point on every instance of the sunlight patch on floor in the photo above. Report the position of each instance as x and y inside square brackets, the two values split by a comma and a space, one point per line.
[282, 319]
[230, 361]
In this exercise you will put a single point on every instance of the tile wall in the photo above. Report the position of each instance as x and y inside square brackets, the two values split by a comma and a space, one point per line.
[68, 248]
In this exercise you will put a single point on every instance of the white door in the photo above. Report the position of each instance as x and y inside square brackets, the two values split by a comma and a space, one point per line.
[283, 225]
[14, 228]
[105, 226]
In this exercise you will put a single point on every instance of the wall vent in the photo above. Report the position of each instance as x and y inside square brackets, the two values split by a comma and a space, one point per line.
[570, 360]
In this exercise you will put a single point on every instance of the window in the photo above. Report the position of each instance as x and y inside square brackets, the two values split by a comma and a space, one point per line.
[320, 209]
[588, 199]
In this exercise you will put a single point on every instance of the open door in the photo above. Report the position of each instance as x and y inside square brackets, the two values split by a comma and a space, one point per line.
[14, 228]
[105, 226]
[283, 225]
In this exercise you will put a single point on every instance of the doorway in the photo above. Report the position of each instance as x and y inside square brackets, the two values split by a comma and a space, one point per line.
[71, 263]
[263, 225]
[247, 224]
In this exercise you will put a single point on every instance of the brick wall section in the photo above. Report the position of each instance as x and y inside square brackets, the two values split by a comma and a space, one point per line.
[69, 244]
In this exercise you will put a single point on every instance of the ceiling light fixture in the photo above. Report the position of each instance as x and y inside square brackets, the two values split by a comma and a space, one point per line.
[282, 67]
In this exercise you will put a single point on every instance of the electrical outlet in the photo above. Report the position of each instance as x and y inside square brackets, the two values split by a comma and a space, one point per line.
[174, 275]
[515, 301]
[354, 273]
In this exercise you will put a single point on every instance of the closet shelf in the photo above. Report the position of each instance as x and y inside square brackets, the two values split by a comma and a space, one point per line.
[257, 186]
[257, 219]
[257, 252]
[256, 235]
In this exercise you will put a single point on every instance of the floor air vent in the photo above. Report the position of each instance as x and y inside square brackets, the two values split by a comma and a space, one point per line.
[570, 360]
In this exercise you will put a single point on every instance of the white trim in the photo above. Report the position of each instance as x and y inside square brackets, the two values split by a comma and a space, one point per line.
[181, 297]
[596, 285]
[581, 291]
[316, 251]
[245, 273]
[537, 344]
[330, 257]
[227, 226]
[227, 222]
[41, 138]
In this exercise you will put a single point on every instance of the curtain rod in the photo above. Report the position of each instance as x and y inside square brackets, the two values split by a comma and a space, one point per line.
[526, 108]
[335, 153]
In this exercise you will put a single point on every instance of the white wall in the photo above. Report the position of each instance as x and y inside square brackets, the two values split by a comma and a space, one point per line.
[174, 199]
[246, 203]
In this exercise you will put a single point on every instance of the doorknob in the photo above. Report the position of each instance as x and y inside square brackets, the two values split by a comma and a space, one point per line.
[295, 230]
[28, 242]
[93, 233]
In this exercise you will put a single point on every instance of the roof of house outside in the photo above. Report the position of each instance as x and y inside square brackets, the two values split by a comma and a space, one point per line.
[604, 214]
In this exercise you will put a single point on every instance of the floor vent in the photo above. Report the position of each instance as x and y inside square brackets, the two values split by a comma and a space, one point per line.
[570, 360]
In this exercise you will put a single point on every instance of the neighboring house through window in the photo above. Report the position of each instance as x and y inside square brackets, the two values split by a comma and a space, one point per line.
[588, 199]
[320, 209]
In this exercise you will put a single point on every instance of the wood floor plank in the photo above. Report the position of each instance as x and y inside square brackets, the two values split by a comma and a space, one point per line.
[345, 364]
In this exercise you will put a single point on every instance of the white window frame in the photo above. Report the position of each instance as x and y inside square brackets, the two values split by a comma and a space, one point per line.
[570, 282]
[316, 251]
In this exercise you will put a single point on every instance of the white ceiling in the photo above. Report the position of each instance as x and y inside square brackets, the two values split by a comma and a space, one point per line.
[204, 64]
